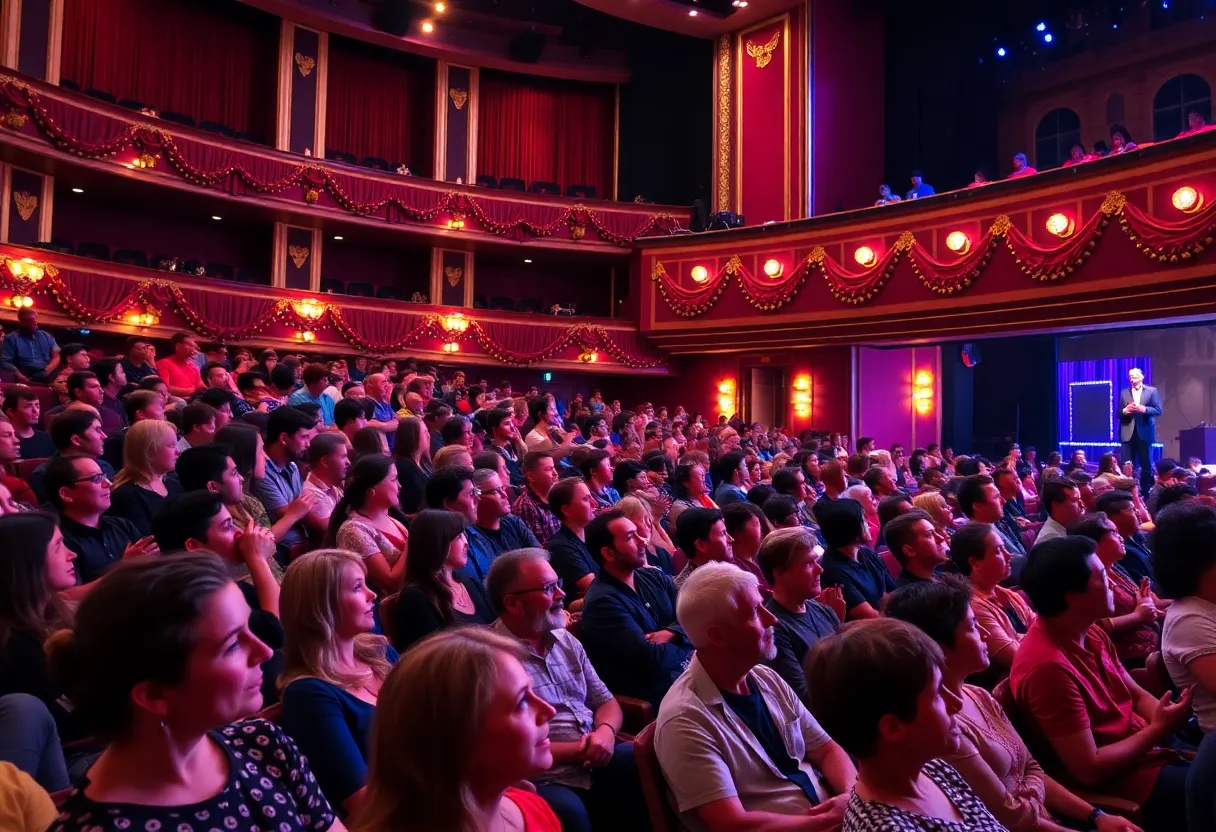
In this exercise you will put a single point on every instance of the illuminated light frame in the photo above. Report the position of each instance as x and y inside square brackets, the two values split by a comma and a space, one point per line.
[865, 256]
[774, 268]
[699, 274]
[1190, 198]
[1061, 225]
[802, 395]
[726, 396]
[959, 242]
[1110, 389]
[923, 391]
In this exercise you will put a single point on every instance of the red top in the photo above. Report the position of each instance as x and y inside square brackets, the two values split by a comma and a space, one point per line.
[1068, 688]
[177, 374]
[538, 817]
[20, 489]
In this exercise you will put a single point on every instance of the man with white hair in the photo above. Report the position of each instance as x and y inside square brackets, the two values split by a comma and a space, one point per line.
[736, 746]
[1139, 407]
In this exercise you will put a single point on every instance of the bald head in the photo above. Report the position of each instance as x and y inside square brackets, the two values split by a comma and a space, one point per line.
[377, 387]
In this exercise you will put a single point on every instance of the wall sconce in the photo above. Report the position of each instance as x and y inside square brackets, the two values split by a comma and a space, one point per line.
[309, 309]
[773, 268]
[699, 274]
[588, 356]
[1187, 200]
[451, 347]
[726, 396]
[20, 301]
[26, 269]
[802, 395]
[958, 242]
[865, 256]
[306, 335]
[145, 160]
[455, 323]
[148, 318]
[922, 392]
[1060, 225]
[456, 223]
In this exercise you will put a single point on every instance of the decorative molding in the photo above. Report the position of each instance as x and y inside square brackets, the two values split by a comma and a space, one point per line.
[298, 255]
[453, 275]
[26, 204]
[724, 137]
[305, 64]
[762, 52]
[459, 97]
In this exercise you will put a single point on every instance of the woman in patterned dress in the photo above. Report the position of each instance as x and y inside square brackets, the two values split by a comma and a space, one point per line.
[162, 665]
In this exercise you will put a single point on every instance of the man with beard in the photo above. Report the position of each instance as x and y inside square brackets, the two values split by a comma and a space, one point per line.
[592, 774]
[736, 746]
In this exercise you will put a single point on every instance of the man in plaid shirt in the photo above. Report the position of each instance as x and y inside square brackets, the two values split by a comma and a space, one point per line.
[532, 504]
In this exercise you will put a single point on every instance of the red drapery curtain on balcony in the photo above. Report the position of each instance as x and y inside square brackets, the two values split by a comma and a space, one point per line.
[537, 129]
[380, 103]
[213, 61]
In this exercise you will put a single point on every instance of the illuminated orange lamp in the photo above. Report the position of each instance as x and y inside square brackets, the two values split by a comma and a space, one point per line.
[456, 323]
[773, 268]
[958, 242]
[699, 274]
[922, 392]
[306, 335]
[1061, 225]
[865, 256]
[1187, 200]
[451, 347]
[26, 268]
[726, 396]
[20, 301]
[802, 395]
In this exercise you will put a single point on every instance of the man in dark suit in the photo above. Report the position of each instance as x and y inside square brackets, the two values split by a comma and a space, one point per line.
[1139, 407]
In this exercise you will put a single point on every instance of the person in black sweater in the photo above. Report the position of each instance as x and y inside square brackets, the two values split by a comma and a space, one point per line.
[434, 598]
[413, 451]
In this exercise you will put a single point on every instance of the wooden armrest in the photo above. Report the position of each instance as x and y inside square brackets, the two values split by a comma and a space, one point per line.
[638, 713]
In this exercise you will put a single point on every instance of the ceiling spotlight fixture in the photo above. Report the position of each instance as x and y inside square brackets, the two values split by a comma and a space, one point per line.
[692, 12]
[77, 190]
[339, 237]
[428, 26]
[440, 8]
[1000, 52]
[1042, 27]
[1047, 38]
[526, 260]
[216, 218]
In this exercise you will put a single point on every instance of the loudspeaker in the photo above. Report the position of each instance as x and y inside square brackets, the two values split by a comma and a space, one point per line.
[393, 16]
[526, 47]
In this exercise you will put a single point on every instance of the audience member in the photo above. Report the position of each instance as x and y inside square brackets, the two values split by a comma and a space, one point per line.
[595, 466]
[333, 668]
[730, 473]
[918, 546]
[362, 522]
[413, 459]
[641, 507]
[179, 371]
[136, 363]
[495, 529]
[139, 406]
[23, 409]
[288, 433]
[161, 664]
[10, 453]
[328, 465]
[1119, 507]
[593, 775]
[143, 484]
[434, 597]
[746, 528]
[629, 615]
[457, 728]
[244, 444]
[737, 747]
[571, 502]
[32, 351]
[978, 553]
[981, 502]
[848, 563]
[112, 380]
[1062, 501]
[532, 504]
[805, 612]
[316, 379]
[878, 688]
[1098, 724]
[702, 537]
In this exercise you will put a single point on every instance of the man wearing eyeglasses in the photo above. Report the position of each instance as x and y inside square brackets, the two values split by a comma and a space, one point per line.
[80, 491]
[496, 530]
[592, 774]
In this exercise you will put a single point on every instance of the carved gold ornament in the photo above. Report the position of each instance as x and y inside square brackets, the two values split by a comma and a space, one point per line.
[453, 274]
[27, 204]
[724, 99]
[763, 53]
[459, 97]
[14, 120]
[305, 64]
[299, 254]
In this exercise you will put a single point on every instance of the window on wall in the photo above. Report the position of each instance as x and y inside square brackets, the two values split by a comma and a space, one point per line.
[1057, 132]
[1177, 97]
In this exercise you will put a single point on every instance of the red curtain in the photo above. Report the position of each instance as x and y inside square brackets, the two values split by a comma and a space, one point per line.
[380, 104]
[213, 61]
[536, 129]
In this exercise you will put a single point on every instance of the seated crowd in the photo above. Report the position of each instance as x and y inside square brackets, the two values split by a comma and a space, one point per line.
[319, 595]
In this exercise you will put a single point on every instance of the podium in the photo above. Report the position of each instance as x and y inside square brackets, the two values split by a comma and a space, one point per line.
[1197, 442]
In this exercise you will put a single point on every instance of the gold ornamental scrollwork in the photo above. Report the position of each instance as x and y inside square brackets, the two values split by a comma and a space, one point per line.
[299, 255]
[724, 104]
[453, 274]
[763, 52]
[27, 204]
[305, 64]
[459, 97]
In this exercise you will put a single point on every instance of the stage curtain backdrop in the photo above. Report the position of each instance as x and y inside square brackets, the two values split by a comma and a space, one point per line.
[1114, 370]
[214, 61]
[538, 129]
[380, 103]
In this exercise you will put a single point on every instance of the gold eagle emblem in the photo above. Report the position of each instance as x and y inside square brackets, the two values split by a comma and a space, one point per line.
[763, 53]
[27, 204]
[299, 254]
[305, 64]
[459, 97]
[453, 275]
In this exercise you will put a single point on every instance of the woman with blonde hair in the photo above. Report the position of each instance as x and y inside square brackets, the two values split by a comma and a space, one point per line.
[333, 668]
[935, 505]
[640, 507]
[456, 727]
[149, 452]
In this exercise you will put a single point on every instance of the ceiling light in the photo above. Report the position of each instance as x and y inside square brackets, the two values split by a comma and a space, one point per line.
[1042, 27]
[440, 8]
[692, 12]
[527, 260]
[217, 219]
[339, 237]
[77, 190]
[428, 26]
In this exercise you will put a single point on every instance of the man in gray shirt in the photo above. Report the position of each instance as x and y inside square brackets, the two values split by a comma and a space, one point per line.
[288, 433]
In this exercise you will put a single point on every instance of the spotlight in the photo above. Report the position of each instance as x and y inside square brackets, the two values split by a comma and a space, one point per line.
[1187, 200]
[692, 12]
[1000, 52]
[865, 256]
[1060, 225]
[216, 218]
[699, 274]
[773, 268]
[1047, 38]
[527, 260]
[428, 26]
[339, 237]
[958, 242]
[77, 190]
[1042, 27]
[440, 8]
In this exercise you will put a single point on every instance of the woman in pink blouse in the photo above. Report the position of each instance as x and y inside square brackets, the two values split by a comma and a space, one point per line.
[979, 554]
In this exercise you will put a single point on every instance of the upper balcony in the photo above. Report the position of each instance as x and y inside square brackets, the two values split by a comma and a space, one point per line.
[1124, 238]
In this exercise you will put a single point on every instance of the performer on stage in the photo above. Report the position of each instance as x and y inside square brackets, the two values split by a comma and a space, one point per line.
[1139, 407]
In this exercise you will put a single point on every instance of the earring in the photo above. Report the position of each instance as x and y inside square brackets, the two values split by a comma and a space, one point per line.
[371, 492]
